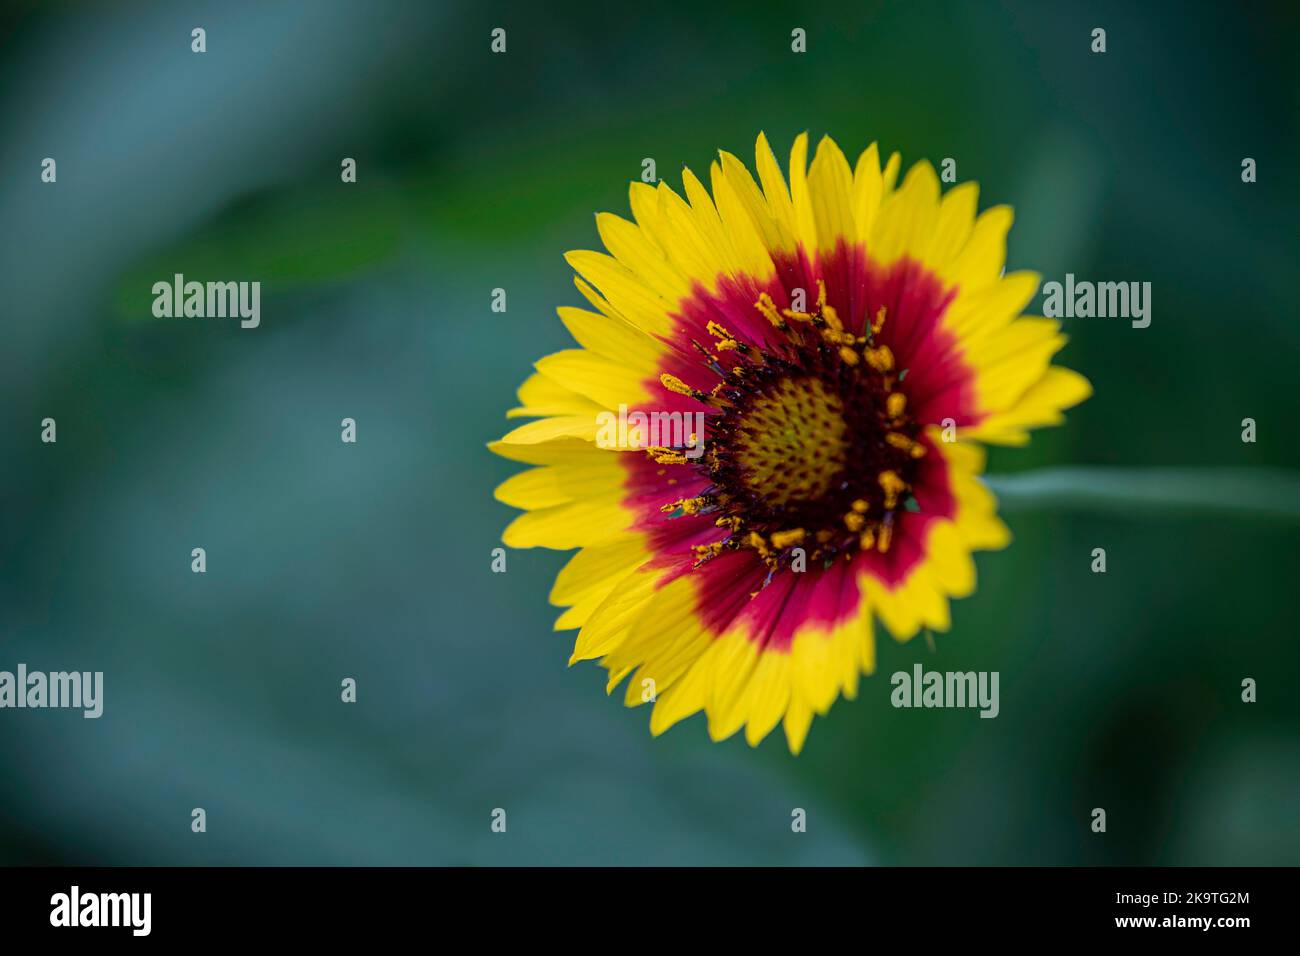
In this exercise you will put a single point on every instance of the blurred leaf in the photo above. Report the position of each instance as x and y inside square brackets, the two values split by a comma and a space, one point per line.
[283, 241]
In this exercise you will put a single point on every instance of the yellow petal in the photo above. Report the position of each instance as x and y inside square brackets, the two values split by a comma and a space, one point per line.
[774, 188]
[773, 233]
[767, 696]
[907, 218]
[550, 429]
[982, 260]
[798, 717]
[752, 257]
[541, 396]
[805, 224]
[572, 525]
[634, 300]
[867, 191]
[830, 186]
[606, 383]
[634, 249]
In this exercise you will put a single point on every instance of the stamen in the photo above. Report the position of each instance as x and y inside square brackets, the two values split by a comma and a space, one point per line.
[893, 486]
[785, 539]
[886, 535]
[833, 337]
[688, 506]
[718, 331]
[726, 341]
[666, 456]
[903, 443]
[880, 358]
[675, 384]
[710, 359]
[767, 307]
[826, 309]
[704, 552]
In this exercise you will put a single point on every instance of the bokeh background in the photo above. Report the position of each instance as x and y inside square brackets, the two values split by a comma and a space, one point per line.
[328, 560]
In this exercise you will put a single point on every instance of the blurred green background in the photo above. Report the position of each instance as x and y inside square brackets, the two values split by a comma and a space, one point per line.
[371, 561]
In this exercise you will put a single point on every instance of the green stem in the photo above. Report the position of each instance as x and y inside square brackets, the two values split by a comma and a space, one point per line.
[1239, 492]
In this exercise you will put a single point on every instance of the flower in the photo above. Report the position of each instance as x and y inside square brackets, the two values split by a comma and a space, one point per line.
[770, 435]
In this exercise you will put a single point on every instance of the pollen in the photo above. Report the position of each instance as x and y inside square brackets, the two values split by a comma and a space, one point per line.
[902, 442]
[675, 384]
[812, 446]
[885, 537]
[878, 322]
[666, 456]
[726, 342]
[893, 486]
[767, 308]
[690, 506]
[786, 539]
[880, 358]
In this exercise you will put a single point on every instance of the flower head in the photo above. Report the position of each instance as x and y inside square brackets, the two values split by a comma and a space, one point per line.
[769, 437]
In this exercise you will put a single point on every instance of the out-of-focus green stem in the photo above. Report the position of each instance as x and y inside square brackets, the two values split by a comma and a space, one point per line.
[1264, 493]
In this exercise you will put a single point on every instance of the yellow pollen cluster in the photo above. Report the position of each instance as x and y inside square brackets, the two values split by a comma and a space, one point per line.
[690, 506]
[666, 456]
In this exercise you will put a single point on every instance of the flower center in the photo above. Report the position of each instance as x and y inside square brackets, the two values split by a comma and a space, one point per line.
[790, 443]
[812, 449]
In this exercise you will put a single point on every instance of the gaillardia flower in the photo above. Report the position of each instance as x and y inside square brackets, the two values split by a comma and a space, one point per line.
[769, 438]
